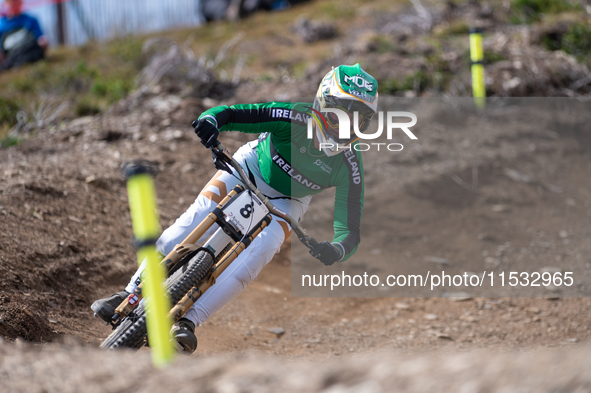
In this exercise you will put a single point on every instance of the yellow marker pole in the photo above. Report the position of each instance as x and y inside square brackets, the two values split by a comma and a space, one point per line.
[144, 218]
[477, 61]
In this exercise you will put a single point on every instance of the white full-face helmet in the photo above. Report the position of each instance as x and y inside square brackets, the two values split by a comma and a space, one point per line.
[348, 88]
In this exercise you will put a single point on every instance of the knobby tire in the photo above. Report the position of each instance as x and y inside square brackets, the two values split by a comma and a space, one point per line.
[132, 330]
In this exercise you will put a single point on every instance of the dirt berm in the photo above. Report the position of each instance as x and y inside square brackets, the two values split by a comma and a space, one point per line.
[81, 369]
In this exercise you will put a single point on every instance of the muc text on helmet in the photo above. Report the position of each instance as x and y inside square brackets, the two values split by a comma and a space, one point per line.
[392, 123]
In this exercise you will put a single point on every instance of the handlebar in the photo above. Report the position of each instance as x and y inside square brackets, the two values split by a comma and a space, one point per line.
[222, 158]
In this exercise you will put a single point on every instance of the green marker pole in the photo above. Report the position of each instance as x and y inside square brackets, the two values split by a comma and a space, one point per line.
[477, 61]
[146, 228]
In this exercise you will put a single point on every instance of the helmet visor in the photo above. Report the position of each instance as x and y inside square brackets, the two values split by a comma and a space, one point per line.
[364, 113]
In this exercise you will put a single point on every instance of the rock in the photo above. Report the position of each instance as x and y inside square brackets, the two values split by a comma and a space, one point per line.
[493, 262]
[500, 208]
[163, 106]
[533, 310]
[402, 306]
[438, 260]
[187, 168]
[20, 343]
[555, 189]
[458, 296]
[312, 31]
[430, 317]
[81, 122]
[175, 135]
[550, 269]
[469, 318]
[109, 136]
[277, 330]
[563, 234]
[171, 68]
[486, 237]
[516, 175]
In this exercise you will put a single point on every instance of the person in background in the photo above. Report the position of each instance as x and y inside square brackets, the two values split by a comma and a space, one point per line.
[21, 38]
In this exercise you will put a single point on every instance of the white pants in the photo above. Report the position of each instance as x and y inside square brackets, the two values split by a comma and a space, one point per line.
[251, 261]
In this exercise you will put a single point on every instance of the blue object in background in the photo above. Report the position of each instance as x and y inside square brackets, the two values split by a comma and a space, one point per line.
[19, 22]
[104, 19]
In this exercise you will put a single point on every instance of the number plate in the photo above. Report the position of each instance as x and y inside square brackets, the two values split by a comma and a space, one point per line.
[245, 212]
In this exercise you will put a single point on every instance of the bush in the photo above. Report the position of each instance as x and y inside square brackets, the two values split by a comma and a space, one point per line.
[529, 11]
[577, 40]
[8, 111]
[87, 107]
[8, 141]
[419, 79]
[113, 88]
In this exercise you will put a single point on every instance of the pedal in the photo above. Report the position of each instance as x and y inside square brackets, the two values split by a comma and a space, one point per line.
[179, 348]
[106, 323]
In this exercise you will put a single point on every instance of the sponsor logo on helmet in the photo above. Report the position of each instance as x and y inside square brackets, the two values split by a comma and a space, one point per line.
[359, 82]
[358, 93]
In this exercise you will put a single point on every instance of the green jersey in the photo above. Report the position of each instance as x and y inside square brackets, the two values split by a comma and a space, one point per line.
[290, 163]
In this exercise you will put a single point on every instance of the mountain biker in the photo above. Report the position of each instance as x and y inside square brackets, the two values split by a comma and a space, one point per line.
[21, 38]
[288, 168]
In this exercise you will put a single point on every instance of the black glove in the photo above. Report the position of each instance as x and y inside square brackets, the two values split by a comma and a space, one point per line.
[206, 131]
[219, 162]
[327, 253]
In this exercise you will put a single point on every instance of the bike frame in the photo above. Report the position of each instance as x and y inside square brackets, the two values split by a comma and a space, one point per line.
[241, 241]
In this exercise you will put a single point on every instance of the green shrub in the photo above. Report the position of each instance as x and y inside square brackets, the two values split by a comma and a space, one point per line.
[8, 141]
[577, 40]
[453, 28]
[86, 106]
[113, 89]
[127, 49]
[381, 43]
[418, 79]
[529, 11]
[8, 111]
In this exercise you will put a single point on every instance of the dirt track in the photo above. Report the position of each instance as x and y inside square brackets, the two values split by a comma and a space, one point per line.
[66, 241]
[50, 369]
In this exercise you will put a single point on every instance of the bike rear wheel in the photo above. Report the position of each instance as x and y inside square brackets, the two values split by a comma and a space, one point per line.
[132, 331]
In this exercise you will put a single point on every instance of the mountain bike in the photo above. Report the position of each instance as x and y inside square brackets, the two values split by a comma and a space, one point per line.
[193, 268]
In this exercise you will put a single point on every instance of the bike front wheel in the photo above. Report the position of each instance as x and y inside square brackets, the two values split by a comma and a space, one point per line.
[131, 333]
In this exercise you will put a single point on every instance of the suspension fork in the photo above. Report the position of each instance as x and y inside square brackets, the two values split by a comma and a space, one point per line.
[129, 304]
[195, 293]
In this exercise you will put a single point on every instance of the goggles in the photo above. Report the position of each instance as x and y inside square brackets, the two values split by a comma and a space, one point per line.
[364, 113]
